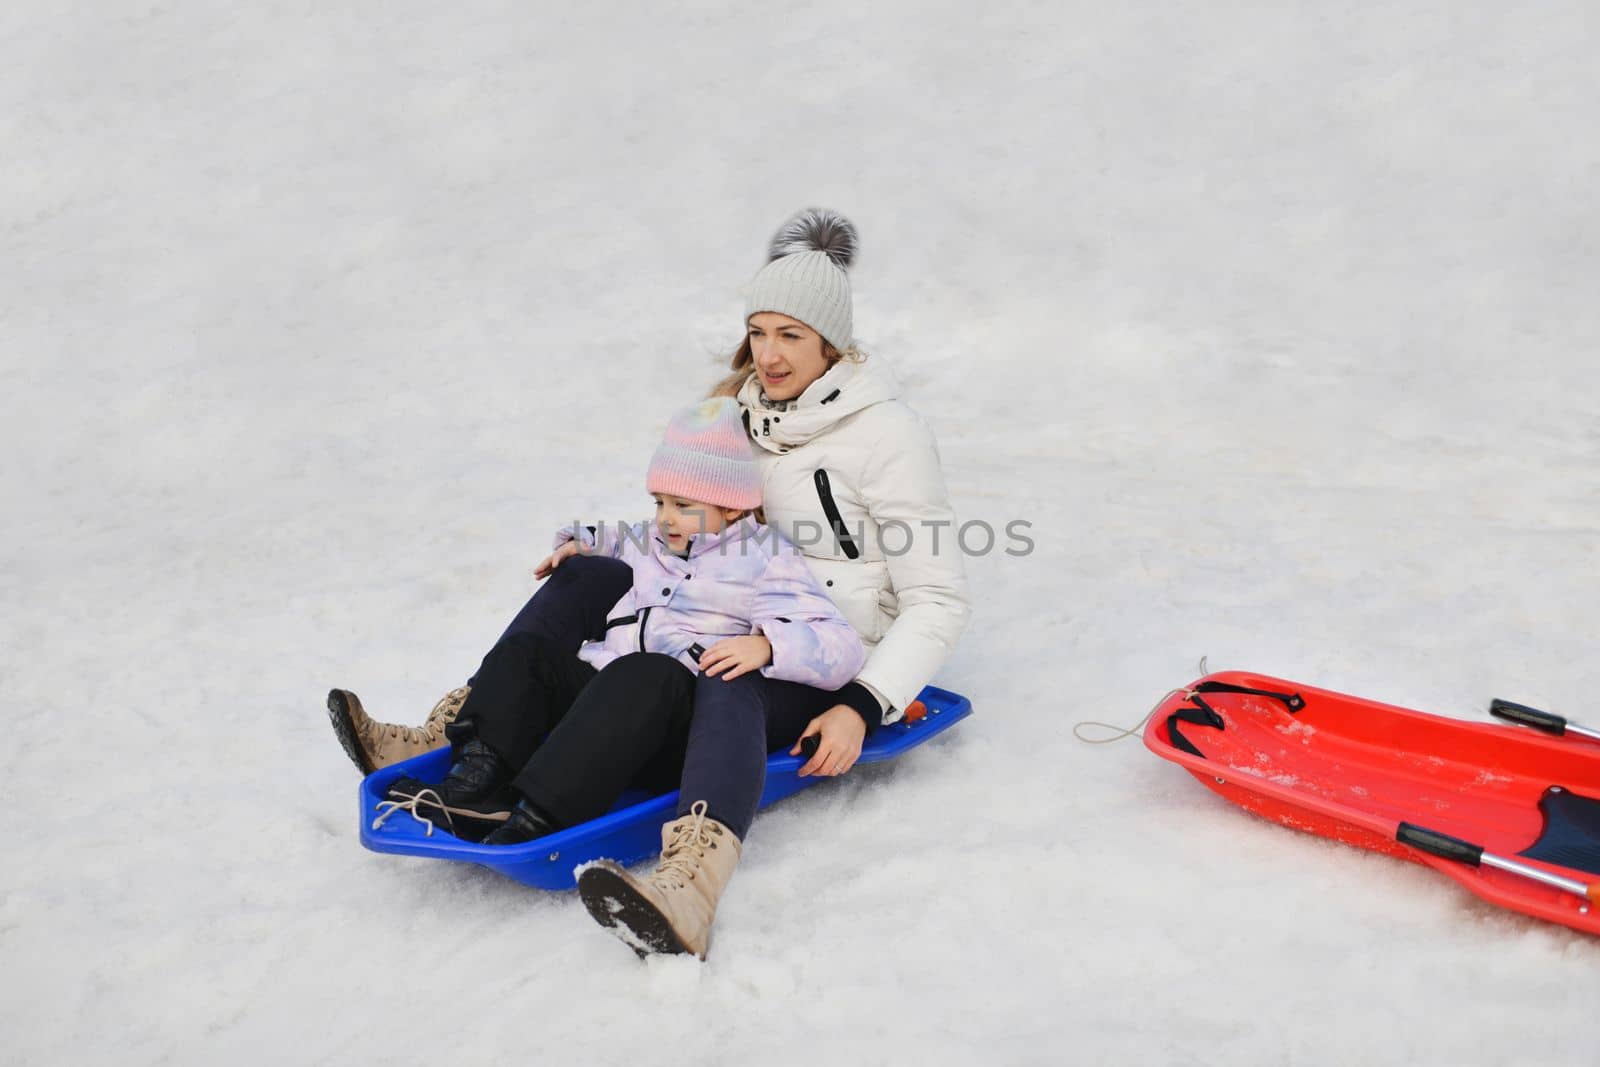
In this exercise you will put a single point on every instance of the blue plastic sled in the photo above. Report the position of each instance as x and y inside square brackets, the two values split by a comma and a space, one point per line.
[629, 832]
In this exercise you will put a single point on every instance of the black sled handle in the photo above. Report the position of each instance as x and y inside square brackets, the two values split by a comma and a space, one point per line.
[810, 744]
[1453, 848]
[1521, 713]
[1441, 845]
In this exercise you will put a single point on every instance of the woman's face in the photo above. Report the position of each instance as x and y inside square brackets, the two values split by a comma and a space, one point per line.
[680, 520]
[788, 354]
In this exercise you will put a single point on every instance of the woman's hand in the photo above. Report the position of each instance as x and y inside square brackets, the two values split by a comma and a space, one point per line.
[553, 560]
[843, 732]
[737, 655]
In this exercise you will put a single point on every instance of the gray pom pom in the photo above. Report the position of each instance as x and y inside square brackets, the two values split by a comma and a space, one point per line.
[816, 229]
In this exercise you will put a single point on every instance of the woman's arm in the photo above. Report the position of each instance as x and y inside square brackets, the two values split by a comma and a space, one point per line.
[904, 483]
[601, 540]
[605, 539]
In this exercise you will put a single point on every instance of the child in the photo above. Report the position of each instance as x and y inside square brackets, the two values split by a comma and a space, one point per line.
[713, 590]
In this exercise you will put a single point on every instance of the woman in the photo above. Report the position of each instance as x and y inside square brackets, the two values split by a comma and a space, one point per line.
[851, 475]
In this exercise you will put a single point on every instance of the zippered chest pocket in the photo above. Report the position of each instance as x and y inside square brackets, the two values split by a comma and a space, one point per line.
[830, 508]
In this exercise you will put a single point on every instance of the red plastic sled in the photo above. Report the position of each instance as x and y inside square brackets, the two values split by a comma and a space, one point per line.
[1496, 808]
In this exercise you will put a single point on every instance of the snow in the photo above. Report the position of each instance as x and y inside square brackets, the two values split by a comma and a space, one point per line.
[1278, 323]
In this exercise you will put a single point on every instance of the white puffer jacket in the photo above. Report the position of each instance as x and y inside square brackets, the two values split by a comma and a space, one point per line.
[839, 463]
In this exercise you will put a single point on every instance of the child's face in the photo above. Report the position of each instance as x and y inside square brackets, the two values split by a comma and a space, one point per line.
[681, 519]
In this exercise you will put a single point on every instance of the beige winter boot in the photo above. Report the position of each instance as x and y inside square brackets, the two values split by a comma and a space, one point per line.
[670, 910]
[372, 744]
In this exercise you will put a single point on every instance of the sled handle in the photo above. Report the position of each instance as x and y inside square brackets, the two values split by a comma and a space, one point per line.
[1441, 845]
[1453, 848]
[1543, 721]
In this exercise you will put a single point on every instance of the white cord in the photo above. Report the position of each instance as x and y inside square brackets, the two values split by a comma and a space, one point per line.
[409, 805]
[1118, 732]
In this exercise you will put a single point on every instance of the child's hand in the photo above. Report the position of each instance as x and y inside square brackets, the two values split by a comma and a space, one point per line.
[553, 560]
[737, 655]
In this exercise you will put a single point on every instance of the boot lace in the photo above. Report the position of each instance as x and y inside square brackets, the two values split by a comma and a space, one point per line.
[377, 731]
[680, 860]
[445, 713]
[409, 804]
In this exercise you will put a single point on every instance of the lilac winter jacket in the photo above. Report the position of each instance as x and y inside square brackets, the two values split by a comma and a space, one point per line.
[746, 579]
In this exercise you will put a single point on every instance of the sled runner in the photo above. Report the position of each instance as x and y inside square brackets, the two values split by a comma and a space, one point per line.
[1511, 814]
[631, 831]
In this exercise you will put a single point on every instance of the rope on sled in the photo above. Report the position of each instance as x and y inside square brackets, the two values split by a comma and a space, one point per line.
[1118, 733]
[409, 806]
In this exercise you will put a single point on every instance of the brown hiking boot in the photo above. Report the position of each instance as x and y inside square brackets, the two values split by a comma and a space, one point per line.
[669, 910]
[371, 744]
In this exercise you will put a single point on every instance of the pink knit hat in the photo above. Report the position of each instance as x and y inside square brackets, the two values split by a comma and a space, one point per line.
[707, 457]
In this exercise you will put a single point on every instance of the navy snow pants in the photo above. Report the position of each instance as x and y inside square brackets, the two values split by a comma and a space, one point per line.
[649, 722]
[736, 725]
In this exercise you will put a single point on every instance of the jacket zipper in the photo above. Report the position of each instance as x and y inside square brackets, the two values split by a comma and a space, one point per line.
[831, 510]
[644, 617]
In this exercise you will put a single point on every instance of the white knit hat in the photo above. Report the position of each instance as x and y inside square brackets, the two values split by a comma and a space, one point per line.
[805, 275]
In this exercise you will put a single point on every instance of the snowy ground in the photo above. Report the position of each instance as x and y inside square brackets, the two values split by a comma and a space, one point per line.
[1279, 325]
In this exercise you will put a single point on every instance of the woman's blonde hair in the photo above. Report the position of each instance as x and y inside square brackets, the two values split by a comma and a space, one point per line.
[743, 365]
